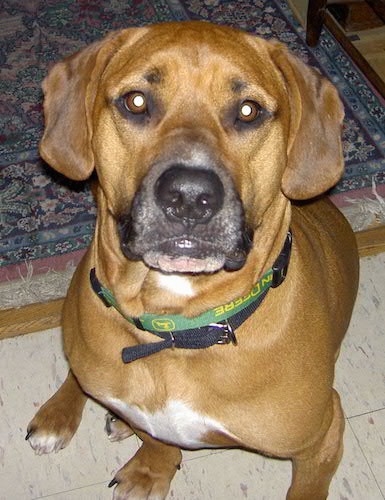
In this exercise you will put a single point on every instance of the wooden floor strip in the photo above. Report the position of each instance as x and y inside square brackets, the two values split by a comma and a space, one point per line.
[371, 241]
[31, 318]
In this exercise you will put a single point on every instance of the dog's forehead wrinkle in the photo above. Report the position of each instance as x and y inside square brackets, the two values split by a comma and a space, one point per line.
[176, 54]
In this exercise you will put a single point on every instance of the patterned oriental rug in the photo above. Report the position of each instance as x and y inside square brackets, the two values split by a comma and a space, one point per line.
[46, 222]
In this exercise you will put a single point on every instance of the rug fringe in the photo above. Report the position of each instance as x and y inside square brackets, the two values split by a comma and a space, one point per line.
[365, 213]
[31, 289]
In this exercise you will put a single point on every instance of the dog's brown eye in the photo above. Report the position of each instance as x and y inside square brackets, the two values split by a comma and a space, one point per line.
[136, 102]
[248, 111]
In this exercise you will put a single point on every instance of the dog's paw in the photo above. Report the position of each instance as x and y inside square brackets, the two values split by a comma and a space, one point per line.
[139, 485]
[116, 429]
[140, 480]
[52, 428]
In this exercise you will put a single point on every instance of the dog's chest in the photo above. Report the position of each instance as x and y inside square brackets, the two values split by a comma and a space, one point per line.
[175, 422]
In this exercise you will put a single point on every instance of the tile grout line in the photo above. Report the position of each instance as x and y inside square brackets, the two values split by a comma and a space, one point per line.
[366, 460]
[53, 495]
[365, 413]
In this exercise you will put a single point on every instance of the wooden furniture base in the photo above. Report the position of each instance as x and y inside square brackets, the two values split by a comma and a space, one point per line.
[39, 317]
[318, 16]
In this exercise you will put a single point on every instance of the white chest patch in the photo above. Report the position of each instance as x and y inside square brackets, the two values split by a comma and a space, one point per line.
[180, 285]
[175, 423]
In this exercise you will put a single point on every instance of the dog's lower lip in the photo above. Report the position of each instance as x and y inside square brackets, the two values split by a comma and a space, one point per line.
[184, 264]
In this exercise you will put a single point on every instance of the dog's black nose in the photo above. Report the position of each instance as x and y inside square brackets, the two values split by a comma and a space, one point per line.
[189, 195]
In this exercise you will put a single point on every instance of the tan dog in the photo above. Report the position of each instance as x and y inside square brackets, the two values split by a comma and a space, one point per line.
[204, 140]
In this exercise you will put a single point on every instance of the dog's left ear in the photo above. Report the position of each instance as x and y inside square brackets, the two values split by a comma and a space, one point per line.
[315, 159]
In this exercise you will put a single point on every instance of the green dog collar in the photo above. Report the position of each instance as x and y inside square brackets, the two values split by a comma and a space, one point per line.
[216, 326]
[175, 322]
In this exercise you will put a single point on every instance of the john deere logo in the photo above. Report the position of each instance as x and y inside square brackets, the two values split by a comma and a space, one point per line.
[163, 325]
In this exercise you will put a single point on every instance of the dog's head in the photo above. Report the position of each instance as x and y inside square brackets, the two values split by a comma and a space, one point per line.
[195, 131]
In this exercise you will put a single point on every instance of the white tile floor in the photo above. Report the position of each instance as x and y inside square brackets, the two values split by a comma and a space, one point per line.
[32, 367]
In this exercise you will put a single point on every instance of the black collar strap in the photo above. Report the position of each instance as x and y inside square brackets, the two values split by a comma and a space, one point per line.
[216, 326]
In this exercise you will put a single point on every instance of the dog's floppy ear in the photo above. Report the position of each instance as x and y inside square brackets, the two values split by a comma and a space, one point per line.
[69, 92]
[315, 160]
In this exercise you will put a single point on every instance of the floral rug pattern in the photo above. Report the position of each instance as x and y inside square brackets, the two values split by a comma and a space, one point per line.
[42, 215]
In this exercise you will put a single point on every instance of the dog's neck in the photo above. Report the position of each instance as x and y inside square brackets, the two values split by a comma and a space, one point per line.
[140, 290]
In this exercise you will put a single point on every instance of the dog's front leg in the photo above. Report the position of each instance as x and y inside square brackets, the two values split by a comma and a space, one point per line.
[313, 469]
[149, 472]
[57, 420]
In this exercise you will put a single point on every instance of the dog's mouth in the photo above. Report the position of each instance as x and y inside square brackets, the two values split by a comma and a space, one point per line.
[188, 255]
[184, 254]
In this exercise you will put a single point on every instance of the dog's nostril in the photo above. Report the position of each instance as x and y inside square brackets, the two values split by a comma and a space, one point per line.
[189, 195]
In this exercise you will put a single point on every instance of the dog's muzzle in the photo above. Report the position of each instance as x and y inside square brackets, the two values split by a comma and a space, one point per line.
[186, 220]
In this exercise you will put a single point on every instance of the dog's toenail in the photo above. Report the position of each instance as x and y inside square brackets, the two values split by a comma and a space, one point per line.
[112, 483]
[29, 434]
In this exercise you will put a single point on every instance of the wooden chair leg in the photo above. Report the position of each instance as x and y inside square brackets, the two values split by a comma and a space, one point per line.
[315, 21]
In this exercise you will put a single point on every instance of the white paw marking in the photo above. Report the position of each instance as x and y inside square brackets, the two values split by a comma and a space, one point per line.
[175, 423]
[179, 285]
[47, 443]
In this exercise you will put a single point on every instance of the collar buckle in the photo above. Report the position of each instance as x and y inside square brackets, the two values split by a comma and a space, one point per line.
[172, 338]
[227, 333]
